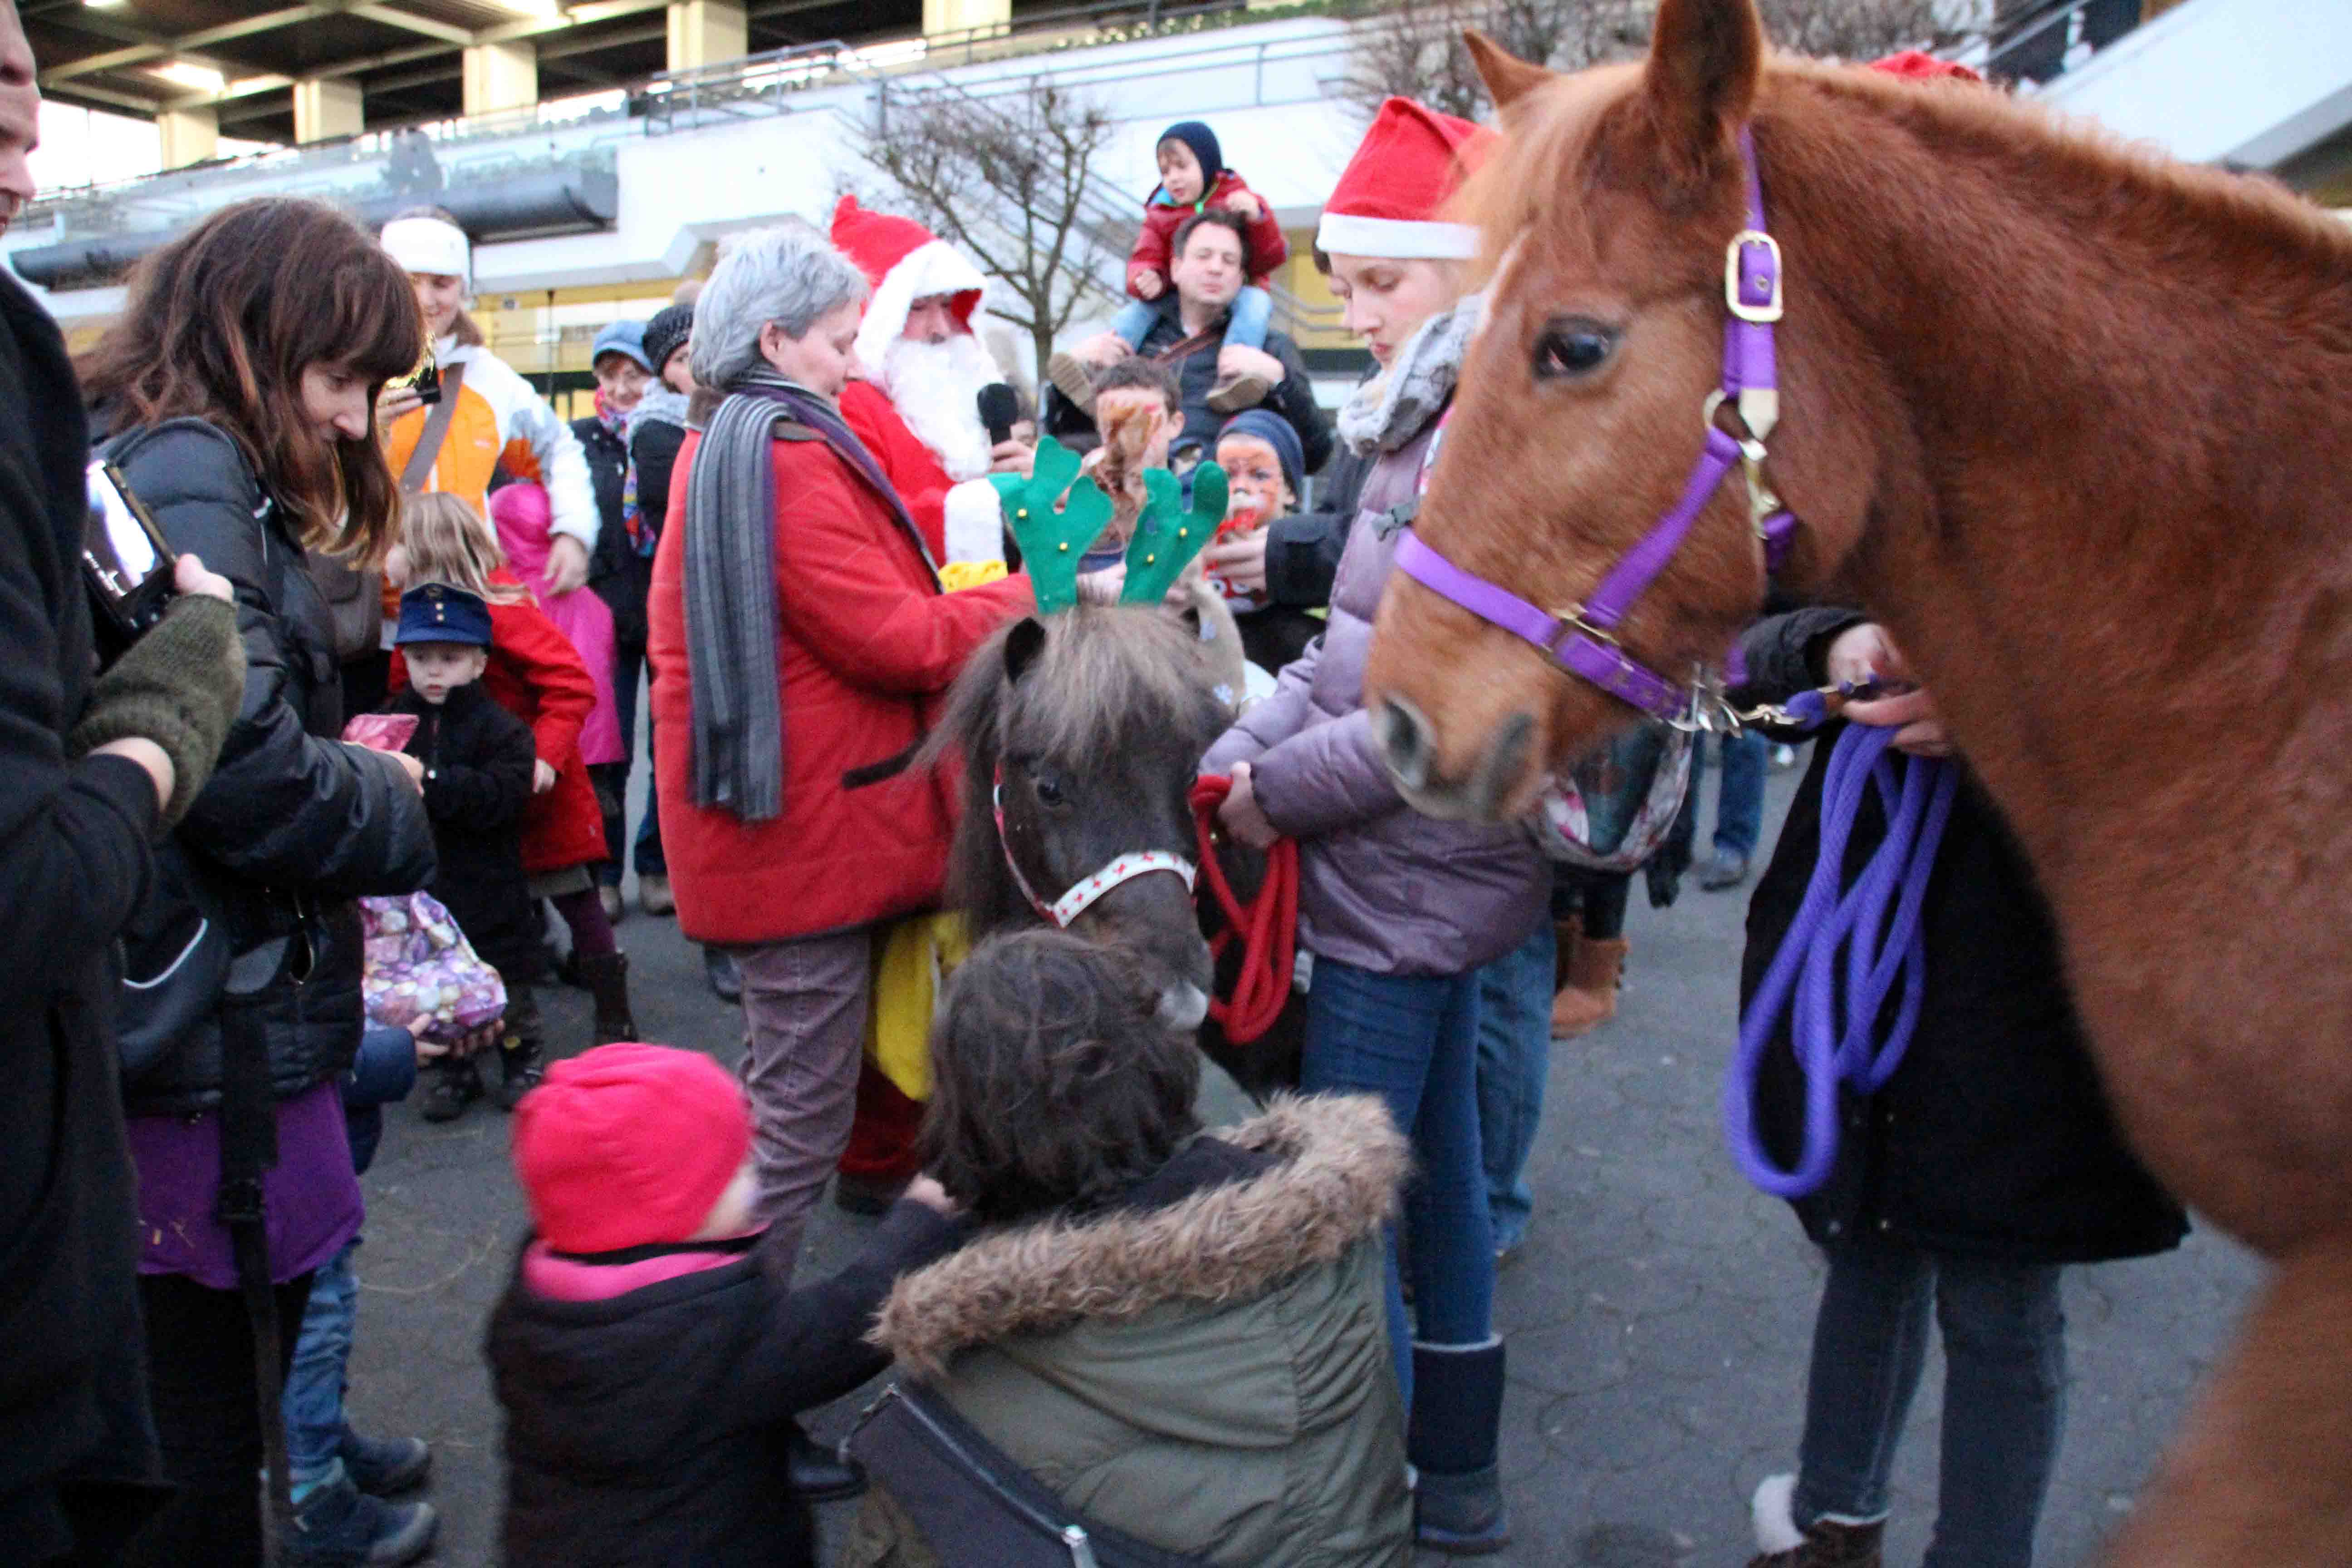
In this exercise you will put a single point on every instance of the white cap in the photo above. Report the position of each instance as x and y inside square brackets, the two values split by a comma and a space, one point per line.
[430, 245]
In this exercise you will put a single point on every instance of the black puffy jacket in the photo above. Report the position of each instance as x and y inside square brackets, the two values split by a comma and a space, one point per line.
[1993, 1138]
[294, 824]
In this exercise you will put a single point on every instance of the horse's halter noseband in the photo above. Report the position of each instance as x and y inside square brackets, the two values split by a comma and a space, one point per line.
[1580, 637]
[1081, 894]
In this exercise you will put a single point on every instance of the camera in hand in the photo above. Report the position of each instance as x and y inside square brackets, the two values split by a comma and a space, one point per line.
[123, 558]
[425, 380]
[998, 409]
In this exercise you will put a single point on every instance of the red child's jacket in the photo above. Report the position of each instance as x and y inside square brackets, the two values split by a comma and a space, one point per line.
[1267, 248]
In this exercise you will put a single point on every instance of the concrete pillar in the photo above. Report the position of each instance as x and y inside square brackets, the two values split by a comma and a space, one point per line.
[188, 135]
[327, 107]
[706, 32]
[965, 16]
[501, 76]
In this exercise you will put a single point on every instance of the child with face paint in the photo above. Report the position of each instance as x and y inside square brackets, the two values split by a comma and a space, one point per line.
[1262, 458]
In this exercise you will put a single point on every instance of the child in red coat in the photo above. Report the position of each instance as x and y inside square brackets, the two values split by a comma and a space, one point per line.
[1194, 178]
[536, 675]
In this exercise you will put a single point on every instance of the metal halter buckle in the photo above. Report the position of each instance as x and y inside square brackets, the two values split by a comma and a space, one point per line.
[1768, 312]
[1573, 619]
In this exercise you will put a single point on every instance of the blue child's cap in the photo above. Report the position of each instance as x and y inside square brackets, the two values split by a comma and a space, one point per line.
[435, 612]
[1205, 150]
[622, 338]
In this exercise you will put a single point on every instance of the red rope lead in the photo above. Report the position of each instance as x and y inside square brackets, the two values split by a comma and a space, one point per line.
[1267, 926]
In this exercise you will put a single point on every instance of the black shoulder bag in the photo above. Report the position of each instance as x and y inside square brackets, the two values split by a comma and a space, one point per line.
[974, 1505]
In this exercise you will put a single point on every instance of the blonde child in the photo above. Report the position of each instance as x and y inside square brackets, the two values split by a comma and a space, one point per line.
[536, 675]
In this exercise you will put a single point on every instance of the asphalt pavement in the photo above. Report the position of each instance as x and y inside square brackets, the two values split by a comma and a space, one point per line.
[1658, 1318]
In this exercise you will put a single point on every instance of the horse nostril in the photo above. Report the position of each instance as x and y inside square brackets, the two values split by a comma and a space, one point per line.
[1404, 742]
[1505, 761]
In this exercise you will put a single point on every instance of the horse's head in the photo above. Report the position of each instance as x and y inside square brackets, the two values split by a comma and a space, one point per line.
[1082, 733]
[1579, 415]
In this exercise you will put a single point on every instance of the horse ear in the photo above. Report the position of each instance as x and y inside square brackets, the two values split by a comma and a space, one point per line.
[1508, 77]
[1706, 56]
[1022, 643]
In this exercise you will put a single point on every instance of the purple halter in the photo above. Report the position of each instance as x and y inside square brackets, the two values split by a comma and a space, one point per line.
[1580, 637]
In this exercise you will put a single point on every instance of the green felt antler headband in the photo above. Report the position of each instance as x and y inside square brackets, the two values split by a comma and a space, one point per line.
[1052, 538]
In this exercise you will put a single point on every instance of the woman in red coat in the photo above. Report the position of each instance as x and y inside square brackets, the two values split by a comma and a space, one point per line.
[800, 645]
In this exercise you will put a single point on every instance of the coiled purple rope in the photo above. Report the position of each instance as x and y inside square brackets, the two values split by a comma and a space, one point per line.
[1918, 801]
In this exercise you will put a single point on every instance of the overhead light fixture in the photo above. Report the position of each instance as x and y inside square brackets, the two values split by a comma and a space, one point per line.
[531, 7]
[103, 4]
[195, 77]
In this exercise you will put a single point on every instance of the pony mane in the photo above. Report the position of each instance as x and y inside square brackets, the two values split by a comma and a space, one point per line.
[1109, 679]
[1556, 139]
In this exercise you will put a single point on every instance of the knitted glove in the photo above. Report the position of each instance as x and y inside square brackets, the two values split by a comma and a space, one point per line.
[179, 686]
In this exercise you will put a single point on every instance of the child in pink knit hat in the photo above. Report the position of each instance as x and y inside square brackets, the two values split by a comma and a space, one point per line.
[647, 1356]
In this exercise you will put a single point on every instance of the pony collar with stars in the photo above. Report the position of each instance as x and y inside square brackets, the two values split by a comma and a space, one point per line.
[1081, 894]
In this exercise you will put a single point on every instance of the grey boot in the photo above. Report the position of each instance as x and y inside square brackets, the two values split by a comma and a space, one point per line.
[1449, 1436]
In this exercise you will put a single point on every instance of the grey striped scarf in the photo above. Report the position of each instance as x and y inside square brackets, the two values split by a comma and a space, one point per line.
[730, 585]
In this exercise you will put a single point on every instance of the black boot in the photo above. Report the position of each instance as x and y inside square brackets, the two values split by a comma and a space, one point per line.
[520, 1048]
[457, 1084]
[818, 1473]
[1457, 1414]
[608, 981]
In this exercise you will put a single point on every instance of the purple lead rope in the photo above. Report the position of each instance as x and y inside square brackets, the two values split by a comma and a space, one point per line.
[1879, 948]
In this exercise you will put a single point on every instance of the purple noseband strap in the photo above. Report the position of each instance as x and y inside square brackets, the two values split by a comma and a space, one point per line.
[1580, 637]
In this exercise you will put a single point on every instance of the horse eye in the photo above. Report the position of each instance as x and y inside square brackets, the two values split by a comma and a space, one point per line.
[1571, 348]
[1049, 792]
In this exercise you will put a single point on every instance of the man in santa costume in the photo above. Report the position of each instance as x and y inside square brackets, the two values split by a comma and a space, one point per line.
[922, 365]
[915, 405]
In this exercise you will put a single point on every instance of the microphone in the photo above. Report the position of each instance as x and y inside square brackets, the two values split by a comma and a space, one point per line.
[998, 410]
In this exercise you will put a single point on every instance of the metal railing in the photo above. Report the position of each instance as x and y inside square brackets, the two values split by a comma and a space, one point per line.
[2048, 42]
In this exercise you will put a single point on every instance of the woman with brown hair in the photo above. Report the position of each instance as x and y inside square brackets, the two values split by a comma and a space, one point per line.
[240, 409]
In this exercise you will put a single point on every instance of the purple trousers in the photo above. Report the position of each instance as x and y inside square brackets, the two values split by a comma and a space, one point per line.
[805, 1004]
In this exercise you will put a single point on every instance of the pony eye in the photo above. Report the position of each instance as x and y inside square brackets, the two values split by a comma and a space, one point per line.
[1572, 348]
[1049, 792]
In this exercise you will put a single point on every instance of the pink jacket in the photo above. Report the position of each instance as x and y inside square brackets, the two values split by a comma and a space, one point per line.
[522, 514]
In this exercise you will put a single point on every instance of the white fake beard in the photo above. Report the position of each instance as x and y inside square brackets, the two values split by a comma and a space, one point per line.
[935, 388]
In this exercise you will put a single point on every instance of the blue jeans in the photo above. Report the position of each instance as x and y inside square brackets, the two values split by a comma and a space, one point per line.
[1513, 1058]
[314, 1387]
[1253, 313]
[1739, 800]
[2004, 1394]
[1413, 1039]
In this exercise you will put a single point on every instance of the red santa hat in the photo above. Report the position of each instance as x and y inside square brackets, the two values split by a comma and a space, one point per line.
[904, 262]
[1391, 200]
[1917, 65]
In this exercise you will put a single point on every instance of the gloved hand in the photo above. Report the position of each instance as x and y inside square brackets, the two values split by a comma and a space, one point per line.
[179, 686]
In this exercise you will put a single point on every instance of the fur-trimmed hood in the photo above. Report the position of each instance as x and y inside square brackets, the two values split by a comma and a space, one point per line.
[1341, 1162]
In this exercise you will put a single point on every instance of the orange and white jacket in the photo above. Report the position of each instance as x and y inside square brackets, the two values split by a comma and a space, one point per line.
[501, 421]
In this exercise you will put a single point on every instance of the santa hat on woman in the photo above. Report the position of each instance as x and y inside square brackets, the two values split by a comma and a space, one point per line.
[1392, 199]
[904, 262]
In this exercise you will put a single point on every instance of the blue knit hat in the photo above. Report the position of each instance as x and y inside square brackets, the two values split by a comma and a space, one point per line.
[622, 338]
[435, 612]
[1205, 150]
[1275, 431]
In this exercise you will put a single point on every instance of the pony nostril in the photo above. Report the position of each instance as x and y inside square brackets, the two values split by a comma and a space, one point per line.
[1404, 742]
[1504, 762]
[1182, 1005]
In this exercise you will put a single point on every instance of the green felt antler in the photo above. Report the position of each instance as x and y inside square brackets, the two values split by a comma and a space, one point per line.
[1052, 538]
[1167, 536]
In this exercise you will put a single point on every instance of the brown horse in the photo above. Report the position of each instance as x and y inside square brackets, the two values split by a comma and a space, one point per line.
[2075, 422]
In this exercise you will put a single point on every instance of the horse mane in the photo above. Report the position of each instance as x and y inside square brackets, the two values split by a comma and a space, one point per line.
[1108, 680]
[2246, 222]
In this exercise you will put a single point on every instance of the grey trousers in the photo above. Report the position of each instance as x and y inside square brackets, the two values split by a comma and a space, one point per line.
[805, 1004]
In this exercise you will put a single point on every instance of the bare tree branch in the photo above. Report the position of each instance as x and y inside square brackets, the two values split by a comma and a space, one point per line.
[1413, 47]
[1007, 178]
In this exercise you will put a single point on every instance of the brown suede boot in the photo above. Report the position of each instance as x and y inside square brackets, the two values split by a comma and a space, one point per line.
[1589, 999]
